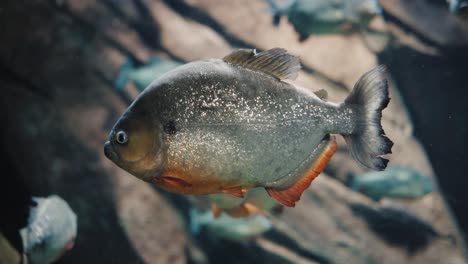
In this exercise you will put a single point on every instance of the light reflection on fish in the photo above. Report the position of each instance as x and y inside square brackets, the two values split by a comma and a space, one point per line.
[229, 125]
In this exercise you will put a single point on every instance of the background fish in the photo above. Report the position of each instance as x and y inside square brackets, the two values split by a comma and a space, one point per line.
[51, 230]
[226, 126]
[459, 7]
[395, 182]
[144, 75]
[325, 16]
[234, 229]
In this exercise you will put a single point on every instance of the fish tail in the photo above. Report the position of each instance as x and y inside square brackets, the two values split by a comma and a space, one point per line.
[367, 142]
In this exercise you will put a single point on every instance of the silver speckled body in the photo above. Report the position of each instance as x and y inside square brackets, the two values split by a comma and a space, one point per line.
[240, 126]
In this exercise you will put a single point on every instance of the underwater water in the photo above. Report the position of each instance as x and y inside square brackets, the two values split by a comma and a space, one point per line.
[245, 126]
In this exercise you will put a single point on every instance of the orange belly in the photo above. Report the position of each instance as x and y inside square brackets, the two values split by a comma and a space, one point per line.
[190, 182]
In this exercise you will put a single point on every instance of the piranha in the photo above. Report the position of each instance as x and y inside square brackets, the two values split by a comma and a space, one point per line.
[232, 124]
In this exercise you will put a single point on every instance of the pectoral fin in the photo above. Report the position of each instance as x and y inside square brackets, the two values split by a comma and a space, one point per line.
[173, 181]
[289, 197]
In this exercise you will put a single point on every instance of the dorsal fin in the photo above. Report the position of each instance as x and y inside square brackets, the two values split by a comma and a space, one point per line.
[275, 62]
[322, 94]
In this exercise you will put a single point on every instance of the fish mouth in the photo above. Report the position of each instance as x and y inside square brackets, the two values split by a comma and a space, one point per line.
[109, 151]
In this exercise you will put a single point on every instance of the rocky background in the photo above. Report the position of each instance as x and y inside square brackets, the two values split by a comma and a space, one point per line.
[58, 60]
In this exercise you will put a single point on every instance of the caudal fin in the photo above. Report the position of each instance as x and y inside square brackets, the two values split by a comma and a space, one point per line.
[368, 141]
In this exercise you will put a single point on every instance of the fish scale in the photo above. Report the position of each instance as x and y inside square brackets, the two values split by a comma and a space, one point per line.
[246, 134]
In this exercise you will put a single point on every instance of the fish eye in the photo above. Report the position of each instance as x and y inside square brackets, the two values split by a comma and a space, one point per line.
[121, 137]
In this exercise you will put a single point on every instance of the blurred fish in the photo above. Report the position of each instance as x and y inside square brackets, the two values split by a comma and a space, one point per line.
[234, 229]
[256, 201]
[395, 182]
[51, 230]
[144, 75]
[459, 7]
[229, 125]
[326, 16]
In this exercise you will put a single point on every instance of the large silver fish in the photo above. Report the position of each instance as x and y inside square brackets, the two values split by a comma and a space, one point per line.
[231, 124]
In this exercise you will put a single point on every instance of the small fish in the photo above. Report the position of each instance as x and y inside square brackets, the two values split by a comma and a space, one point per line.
[459, 8]
[51, 230]
[233, 229]
[395, 182]
[229, 125]
[325, 16]
[144, 75]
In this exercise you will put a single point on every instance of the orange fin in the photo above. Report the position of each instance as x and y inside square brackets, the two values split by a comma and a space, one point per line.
[252, 209]
[243, 210]
[216, 210]
[289, 197]
[235, 191]
[173, 181]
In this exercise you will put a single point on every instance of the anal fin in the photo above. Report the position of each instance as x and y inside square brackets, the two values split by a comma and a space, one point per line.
[289, 197]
